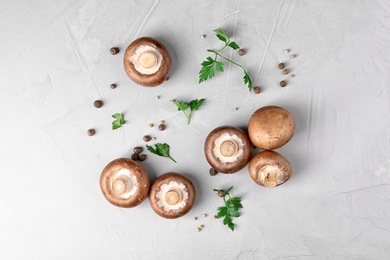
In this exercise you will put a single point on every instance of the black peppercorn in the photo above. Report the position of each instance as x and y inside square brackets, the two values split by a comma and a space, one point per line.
[114, 50]
[142, 157]
[241, 52]
[91, 132]
[137, 150]
[98, 103]
[213, 172]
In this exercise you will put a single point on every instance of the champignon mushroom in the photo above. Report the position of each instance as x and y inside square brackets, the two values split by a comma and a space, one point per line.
[172, 195]
[124, 183]
[147, 62]
[269, 169]
[271, 127]
[227, 149]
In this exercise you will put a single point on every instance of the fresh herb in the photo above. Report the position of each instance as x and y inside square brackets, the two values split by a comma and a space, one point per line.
[161, 150]
[119, 121]
[230, 210]
[193, 106]
[207, 71]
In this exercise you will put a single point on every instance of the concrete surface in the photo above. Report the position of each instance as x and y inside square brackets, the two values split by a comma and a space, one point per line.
[55, 62]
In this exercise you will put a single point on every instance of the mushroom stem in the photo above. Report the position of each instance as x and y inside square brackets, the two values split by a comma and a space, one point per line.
[119, 187]
[172, 197]
[228, 148]
[270, 175]
[147, 59]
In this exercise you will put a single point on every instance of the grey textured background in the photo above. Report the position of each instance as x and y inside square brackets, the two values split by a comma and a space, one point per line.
[55, 62]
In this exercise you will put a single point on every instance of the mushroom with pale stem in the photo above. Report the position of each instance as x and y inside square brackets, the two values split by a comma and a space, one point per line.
[124, 183]
[172, 195]
[227, 149]
[147, 62]
[269, 169]
[271, 127]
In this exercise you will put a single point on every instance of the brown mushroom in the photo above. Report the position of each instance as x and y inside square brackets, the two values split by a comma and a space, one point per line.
[124, 183]
[269, 169]
[147, 62]
[172, 195]
[271, 127]
[227, 149]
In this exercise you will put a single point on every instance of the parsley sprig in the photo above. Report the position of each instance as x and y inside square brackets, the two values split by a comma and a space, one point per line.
[207, 71]
[161, 150]
[119, 121]
[193, 106]
[230, 210]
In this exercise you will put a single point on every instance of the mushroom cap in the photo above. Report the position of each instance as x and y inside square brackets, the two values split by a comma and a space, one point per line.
[160, 75]
[232, 142]
[172, 195]
[271, 127]
[269, 169]
[124, 183]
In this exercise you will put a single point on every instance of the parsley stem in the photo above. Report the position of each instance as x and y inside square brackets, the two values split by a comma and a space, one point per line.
[222, 47]
[172, 159]
[189, 117]
[235, 63]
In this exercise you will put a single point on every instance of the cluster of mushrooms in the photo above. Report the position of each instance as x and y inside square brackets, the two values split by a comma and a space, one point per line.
[228, 149]
[125, 182]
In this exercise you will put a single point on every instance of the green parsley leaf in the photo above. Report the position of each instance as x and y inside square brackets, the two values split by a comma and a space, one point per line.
[248, 80]
[219, 66]
[207, 62]
[231, 208]
[221, 35]
[233, 211]
[160, 150]
[234, 45]
[236, 201]
[221, 212]
[181, 106]
[193, 105]
[231, 225]
[119, 121]
[207, 70]
[227, 220]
